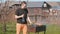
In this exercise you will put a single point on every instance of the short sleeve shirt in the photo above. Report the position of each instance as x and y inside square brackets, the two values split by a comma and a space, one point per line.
[19, 12]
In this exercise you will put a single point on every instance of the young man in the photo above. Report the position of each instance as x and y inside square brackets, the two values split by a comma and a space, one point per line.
[21, 16]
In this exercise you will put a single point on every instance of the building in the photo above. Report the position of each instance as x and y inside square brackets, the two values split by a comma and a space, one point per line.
[36, 13]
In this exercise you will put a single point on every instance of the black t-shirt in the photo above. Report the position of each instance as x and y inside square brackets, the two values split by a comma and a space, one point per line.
[19, 12]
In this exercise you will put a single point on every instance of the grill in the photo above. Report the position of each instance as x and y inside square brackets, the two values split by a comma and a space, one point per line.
[37, 29]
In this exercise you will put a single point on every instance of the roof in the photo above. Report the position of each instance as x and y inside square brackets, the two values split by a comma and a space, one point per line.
[37, 4]
[34, 4]
[16, 4]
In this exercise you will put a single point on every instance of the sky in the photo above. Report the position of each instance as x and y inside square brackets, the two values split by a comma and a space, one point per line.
[37, 0]
[34, 0]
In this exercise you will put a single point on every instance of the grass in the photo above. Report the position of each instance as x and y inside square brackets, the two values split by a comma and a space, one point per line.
[51, 29]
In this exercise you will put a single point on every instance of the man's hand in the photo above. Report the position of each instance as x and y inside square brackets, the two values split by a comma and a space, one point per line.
[28, 19]
[22, 15]
[31, 23]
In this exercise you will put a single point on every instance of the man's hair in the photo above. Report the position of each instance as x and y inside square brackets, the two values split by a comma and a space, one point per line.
[23, 2]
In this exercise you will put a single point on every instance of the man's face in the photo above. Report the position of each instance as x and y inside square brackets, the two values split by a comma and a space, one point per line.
[23, 5]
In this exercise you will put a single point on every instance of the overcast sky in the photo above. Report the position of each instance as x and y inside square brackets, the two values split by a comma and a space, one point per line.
[34, 0]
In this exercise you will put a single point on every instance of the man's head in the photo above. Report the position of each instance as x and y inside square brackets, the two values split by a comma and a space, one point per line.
[23, 4]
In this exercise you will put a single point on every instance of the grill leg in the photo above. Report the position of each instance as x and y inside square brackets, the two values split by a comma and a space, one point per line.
[34, 32]
[38, 32]
[44, 32]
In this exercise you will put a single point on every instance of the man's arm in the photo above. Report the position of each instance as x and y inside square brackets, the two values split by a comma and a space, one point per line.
[28, 19]
[19, 16]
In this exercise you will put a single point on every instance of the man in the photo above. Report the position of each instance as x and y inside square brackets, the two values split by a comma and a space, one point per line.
[21, 16]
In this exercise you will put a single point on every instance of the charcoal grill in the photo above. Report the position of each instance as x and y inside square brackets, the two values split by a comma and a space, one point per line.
[36, 29]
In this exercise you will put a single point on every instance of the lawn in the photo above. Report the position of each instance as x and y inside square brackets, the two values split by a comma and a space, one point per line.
[51, 29]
